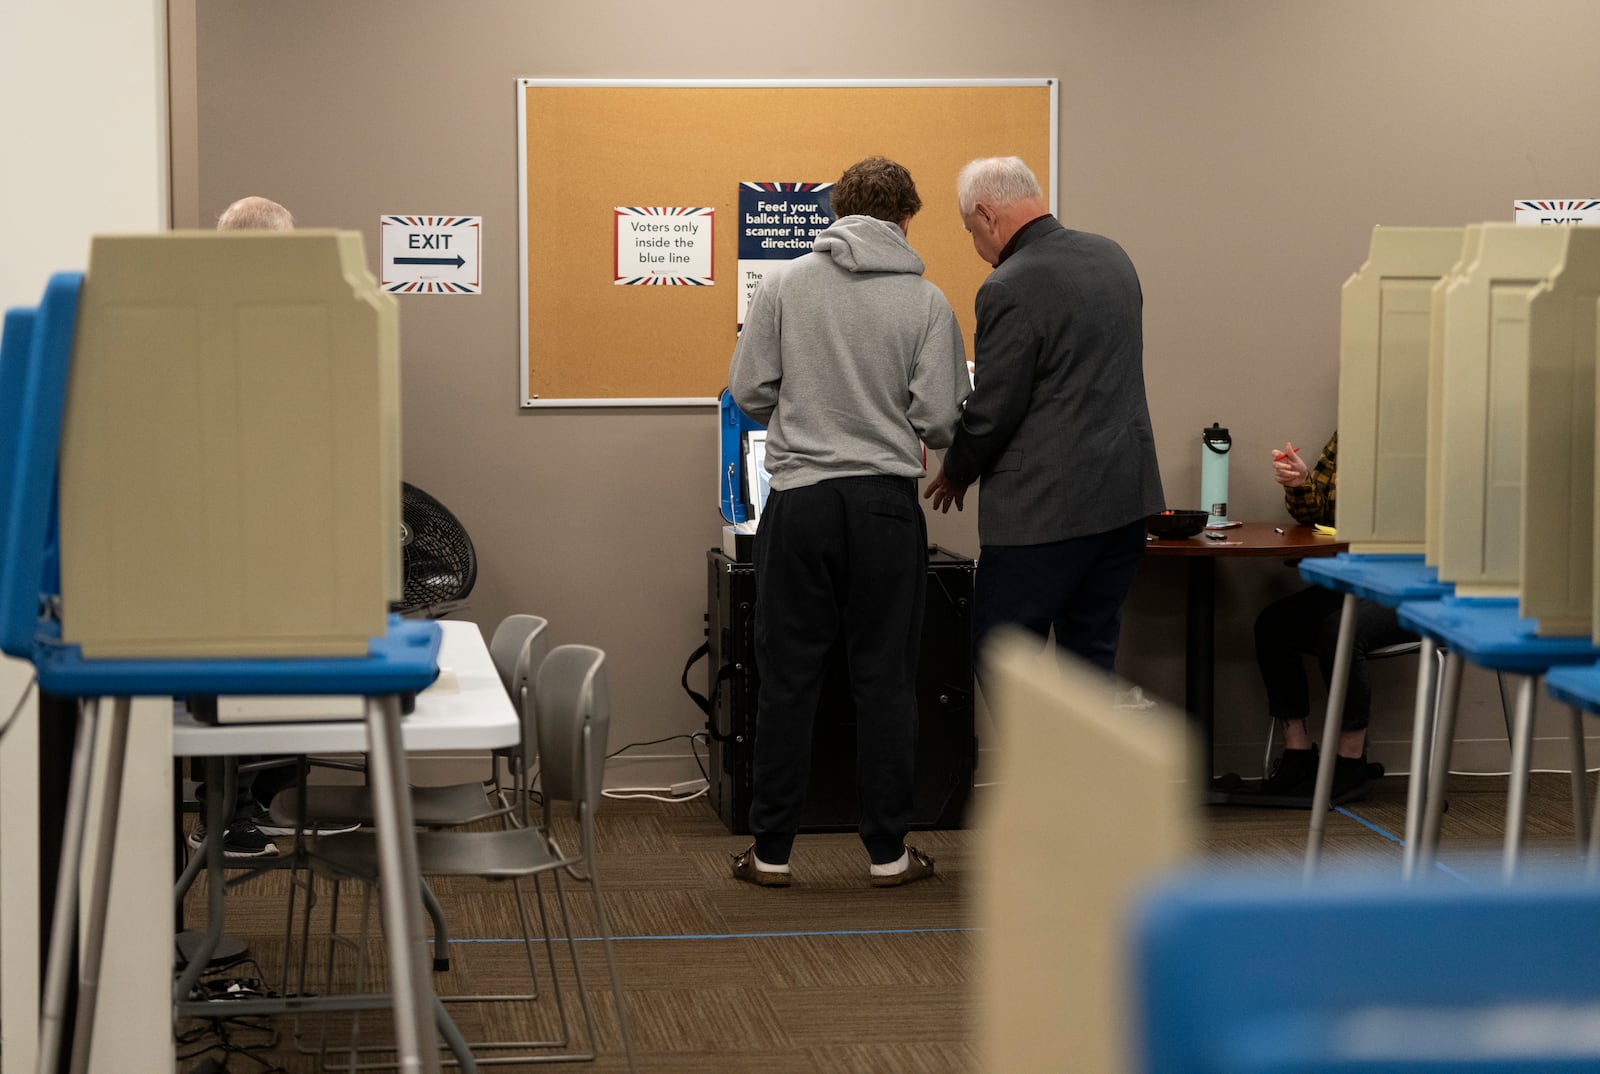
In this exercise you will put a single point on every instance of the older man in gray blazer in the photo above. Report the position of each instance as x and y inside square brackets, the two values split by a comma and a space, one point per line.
[1056, 430]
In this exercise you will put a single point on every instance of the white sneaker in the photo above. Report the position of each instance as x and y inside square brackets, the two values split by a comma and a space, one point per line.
[242, 840]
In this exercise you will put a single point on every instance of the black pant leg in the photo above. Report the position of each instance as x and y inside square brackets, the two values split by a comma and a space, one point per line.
[798, 563]
[1089, 623]
[887, 549]
[1376, 626]
[1286, 630]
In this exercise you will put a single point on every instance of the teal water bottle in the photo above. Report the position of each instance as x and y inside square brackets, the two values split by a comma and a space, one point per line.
[1214, 447]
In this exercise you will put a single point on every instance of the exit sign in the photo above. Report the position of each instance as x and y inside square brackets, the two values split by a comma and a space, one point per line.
[431, 255]
[1557, 211]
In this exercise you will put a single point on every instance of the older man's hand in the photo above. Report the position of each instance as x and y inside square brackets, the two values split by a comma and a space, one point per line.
[942, 492]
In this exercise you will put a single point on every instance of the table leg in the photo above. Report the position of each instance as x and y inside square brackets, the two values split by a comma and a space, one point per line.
[1200, 651]
[416, 1035]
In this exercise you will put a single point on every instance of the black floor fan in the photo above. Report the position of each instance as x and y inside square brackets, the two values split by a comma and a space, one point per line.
[439, 564]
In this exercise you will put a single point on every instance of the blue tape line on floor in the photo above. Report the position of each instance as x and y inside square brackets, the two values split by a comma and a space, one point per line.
[741, 935]
[1396, 839]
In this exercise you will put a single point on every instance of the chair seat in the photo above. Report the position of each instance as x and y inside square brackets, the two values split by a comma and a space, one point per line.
[404, 660]
[512, 852]
[431, 807]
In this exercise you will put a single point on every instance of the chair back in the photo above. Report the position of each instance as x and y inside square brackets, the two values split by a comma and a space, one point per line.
[574, 717]
[519, 646]
[506, 646]
[34, 359]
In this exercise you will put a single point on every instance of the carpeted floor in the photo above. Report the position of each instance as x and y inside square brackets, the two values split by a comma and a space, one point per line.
[830, 975]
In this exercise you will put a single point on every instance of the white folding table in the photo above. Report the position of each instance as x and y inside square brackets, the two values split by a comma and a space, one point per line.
[466, 709]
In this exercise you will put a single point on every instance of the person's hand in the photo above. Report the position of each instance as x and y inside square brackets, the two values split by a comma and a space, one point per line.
[943, 492]
[1288, 468]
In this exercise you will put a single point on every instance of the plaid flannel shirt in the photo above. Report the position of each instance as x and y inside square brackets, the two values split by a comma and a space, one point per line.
[1313, 504]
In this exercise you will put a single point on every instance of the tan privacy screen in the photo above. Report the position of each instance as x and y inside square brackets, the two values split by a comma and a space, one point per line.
[591, 148]
[230, 461]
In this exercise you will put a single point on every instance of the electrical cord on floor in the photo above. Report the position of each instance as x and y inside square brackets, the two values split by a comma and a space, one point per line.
[664, 794]
[222, 1033]
[16, 709]
[655, 794]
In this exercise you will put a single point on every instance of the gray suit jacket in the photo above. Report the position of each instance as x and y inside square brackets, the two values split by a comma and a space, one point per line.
[1057, 429]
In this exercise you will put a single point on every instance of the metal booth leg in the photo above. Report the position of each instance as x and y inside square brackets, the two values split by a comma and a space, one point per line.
[100, 893]
[1331, 725]
[1439, 768]
[64, 924]
[416, 1035]
[1521, 762]
[1421, 753]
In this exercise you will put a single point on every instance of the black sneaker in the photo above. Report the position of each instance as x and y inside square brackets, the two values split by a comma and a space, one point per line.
[262, 817]
[1294, 777]
[1352, 779]
[242, 839]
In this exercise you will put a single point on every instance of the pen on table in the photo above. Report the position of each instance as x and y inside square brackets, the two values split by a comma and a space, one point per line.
[1278, 530]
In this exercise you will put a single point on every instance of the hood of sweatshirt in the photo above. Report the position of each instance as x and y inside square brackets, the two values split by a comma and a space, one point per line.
[866, 244]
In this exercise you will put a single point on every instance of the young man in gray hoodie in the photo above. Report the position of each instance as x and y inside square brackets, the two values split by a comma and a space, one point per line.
[853, 361]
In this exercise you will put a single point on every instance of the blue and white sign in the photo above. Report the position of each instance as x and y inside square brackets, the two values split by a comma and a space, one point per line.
[777, 222]
[431, 255]
[1557, 211]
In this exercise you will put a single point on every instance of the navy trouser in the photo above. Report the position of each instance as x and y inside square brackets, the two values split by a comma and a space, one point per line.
[1075, 587]
[1308, 622]
[846, 558]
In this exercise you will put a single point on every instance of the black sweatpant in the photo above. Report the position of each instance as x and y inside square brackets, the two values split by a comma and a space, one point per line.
[845, 558]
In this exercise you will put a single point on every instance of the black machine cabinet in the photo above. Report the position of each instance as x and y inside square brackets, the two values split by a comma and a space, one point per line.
[946, 741]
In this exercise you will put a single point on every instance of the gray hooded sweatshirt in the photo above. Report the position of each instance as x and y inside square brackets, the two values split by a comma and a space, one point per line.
[850, 357]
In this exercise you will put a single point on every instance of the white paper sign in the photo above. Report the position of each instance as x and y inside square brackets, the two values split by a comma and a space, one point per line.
[431, 255]
[656, 246]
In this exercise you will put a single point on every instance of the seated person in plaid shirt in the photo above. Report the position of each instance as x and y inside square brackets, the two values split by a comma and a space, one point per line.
[1307, 622]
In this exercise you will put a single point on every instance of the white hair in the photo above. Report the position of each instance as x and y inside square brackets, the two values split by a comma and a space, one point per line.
[255, 214]
[996, 181]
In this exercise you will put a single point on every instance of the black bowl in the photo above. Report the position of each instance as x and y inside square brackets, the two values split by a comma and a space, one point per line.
[1174, 525]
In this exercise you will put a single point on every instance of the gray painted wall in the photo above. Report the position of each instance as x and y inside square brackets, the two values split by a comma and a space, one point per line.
[1240, 151]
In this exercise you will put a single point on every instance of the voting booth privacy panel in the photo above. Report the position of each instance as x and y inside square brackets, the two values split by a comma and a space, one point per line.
[1500, 355]
[607, 164]
[1091, 802]
[1384, 335]
[230, 457]
[1516, 444]
[1471, 237]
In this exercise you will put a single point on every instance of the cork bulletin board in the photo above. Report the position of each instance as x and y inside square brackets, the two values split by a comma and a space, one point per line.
[590, 150]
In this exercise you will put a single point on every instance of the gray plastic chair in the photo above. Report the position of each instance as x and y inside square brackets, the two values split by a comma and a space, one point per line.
[573, 719]
[517, 647]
